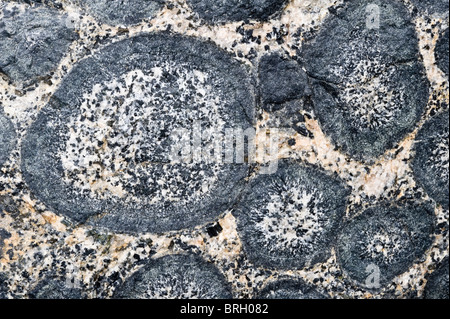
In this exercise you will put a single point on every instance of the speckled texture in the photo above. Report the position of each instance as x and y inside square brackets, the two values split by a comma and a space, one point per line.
[442, 52]
[120, 12]
[175, 277]
[236, 10]
[370, 88]
[289, 289]
[126, 170]
[47, 252]
[3, 236]
[432, 7]
[7, 137]
[32, 42]
[431, 160]
[289, 219]
[438, 283]
[55, 288]
[280, 81]
[389, 238]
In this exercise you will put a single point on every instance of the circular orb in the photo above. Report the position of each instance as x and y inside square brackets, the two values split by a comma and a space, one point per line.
[54, 288]
[441, 52]
[289, 219]
[280, 80]
[236, 10]
[101, 152]
[383, 242]
[7, 137]
[431, 159]
[175, 277]
[438, 283]
[289, 289]
[122, 12]
[32, 42]
[369, 88]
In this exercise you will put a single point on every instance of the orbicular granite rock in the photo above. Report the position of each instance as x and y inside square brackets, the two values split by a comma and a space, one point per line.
[55, 288]
[175, 277]
[290, 116]
[438, 283]
[284, 92]
[369, 87]
[289, 219]
[289, 289]
[121, 12]
[3, 286]
[431, 161]
[383, 242]
[57, 4]
[442, 52]
[236, 10]
[432, 6]
[7, 137]
[32, 42]
[111, 133]
[3, 236]
[102, 151]
[280, 80]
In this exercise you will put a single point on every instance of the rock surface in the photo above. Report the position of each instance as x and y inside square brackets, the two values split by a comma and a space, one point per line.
[120, 12]
[438, 283]
[127, 168]
[432, 6]
[236, 10]
[280, 81]
[383, 242]
[333, 188]
[289, 219]
[431, 159]
[289, 289]
[55, 289]
[442, 48]
[32, 42]
[369, 87]
[7, 137]
[175, 277]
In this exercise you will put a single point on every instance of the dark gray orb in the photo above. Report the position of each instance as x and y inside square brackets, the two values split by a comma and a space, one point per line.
[430, 163]
[236, 10]
[280, 80]
[369, 88]
[102, 150]
[289, 289]
[122, 12]
[55, 288]
[289, 219]
[175, 277]
[438, 283]
[432, 6]
[383, 242]
[32, 42]
[7, 137]
[441, 52]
